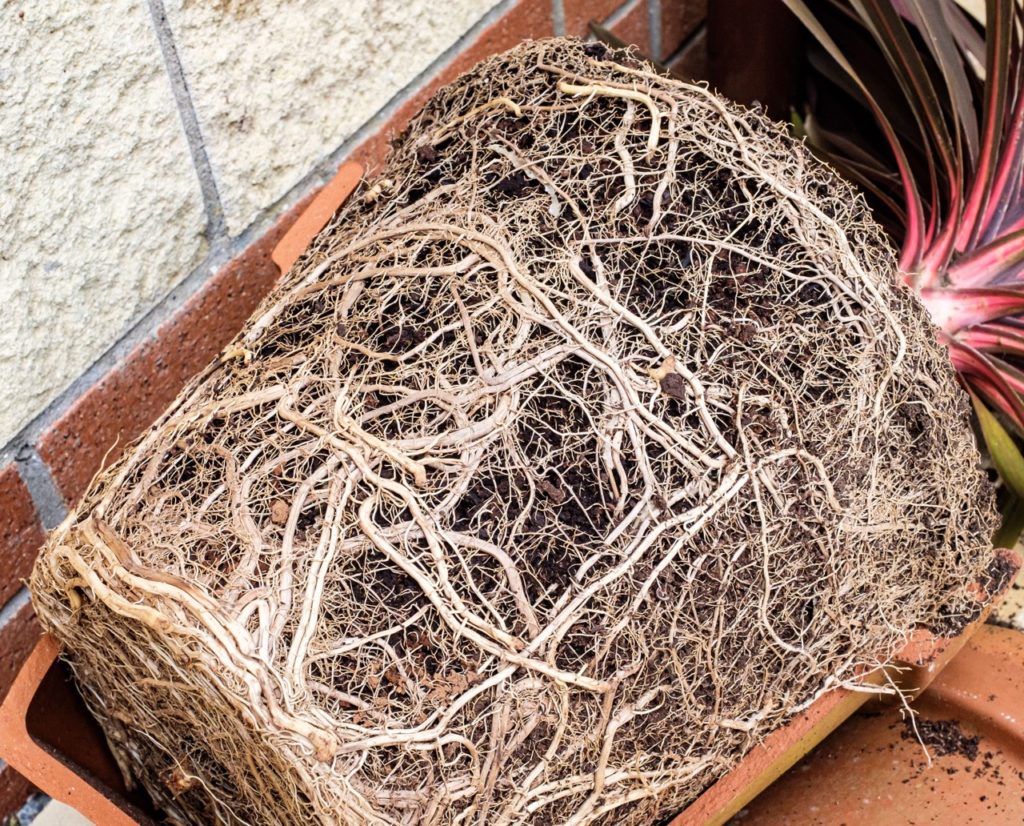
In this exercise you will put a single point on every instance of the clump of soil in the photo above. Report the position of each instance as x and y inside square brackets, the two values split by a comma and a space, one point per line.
[583, 448]
[942, 737]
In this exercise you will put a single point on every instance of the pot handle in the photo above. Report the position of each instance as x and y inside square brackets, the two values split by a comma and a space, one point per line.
[315, 217]
[27, 757]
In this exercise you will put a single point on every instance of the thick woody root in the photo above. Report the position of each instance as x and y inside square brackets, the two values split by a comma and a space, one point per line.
[585, 447]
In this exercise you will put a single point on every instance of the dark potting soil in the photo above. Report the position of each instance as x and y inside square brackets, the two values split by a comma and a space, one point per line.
[998, 574]
[950, 622]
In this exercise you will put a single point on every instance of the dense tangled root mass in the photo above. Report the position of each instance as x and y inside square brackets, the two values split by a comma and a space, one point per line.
[588, 444]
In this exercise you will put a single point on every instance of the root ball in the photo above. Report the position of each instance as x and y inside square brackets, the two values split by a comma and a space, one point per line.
[581, 450]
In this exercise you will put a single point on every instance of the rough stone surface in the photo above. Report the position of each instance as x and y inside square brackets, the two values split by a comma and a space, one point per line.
[101, 209]
[21, 535]
[278, 85]
[55, 813]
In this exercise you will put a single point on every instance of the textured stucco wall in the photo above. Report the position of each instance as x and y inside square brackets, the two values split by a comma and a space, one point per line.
[102, 208]
[278, 85]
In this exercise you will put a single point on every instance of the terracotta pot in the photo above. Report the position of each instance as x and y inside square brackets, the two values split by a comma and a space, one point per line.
[47, 734]
[914, 668]
[315, 217]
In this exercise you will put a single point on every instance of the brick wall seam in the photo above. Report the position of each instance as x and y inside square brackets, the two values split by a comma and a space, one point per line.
[10, 610]
[35, 473]
[620, 12]
[215, 226]
[558, 17]
[654, 29]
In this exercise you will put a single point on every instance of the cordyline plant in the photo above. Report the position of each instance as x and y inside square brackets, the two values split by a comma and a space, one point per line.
[959, 175]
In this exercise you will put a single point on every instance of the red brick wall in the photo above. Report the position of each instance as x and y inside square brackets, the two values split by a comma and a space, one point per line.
[111, 411]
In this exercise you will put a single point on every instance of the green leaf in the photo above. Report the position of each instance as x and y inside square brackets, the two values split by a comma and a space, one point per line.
[796, 125]
[1005, 454]
[1009, 531]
